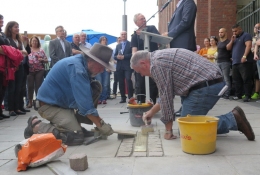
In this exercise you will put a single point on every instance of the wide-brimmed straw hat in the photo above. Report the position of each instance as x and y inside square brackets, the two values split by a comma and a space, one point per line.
[100, 53]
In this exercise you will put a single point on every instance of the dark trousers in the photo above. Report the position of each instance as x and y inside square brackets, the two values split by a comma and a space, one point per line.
[15, 90]
[34, 81]
[242, 75]
[2, 89]
[140, 88]
[115, 82]
[122, 75]
[108, 85]
[23, 91]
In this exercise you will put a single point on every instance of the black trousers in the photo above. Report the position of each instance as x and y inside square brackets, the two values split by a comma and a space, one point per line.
[242, 75]
[140, 88]
[115, 82]
[2, 89]
[122, 75]
[15, 90]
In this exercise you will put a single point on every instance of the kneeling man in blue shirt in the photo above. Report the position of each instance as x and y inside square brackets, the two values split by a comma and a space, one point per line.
[69, 87]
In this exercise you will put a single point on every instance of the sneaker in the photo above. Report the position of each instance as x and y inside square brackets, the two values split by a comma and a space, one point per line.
[255, 96]
[247, 99]
[99, 102]
[104, 102]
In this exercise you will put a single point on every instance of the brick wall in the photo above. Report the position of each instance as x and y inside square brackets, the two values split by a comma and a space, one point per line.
[211, 15]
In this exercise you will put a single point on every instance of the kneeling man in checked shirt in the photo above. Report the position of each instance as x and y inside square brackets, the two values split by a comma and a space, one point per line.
[196, 80]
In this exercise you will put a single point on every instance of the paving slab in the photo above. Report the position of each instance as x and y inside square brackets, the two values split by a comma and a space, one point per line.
[245, 164]
[2, 162]
[234, 153]
[10, 169]
[108, 166]
[106, 148]
[183, 165]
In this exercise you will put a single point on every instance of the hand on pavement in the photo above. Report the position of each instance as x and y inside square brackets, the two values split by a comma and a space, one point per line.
[105, 129]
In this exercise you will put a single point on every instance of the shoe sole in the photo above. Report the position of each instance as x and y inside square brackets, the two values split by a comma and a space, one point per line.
[29, 128]
[242, 114]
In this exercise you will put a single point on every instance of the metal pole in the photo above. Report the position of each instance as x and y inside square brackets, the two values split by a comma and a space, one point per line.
[124, 19]
[147, 86]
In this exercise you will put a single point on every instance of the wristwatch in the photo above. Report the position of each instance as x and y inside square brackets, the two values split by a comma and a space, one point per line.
[244, 57]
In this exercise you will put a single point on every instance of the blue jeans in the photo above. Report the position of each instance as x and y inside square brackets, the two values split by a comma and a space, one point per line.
[200, 101]
[104, 80]
[225, 69]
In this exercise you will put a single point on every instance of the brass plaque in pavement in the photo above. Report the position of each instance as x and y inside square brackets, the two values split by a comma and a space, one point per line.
[140, 143]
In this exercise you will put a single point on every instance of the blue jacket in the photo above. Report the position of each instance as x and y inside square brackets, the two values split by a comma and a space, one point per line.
[68, 86]
[181, 26]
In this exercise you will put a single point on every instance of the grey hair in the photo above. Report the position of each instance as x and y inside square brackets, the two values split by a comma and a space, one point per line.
[82, 33]
[138, 56]
[75, 34]
[58, 28]
[136, 15]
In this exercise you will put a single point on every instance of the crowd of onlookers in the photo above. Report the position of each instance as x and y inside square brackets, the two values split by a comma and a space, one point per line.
[241, 79]
[238, 61]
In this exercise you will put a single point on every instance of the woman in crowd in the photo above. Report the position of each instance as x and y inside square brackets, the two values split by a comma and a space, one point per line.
[15, 95]
[212, 51]
[37, 59]
[203, 52]
[104, 78]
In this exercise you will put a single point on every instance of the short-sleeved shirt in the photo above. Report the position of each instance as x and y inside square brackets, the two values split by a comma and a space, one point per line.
[224, 55]
[239, 47]
[137, 42]
[74, 46]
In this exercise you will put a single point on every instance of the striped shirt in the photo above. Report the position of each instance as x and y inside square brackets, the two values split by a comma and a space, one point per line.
[175, 71]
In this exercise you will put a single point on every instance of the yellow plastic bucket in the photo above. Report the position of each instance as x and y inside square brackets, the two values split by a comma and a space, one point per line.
[198, 134]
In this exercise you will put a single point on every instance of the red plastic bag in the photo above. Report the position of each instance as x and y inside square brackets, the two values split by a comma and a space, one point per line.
[38, 150]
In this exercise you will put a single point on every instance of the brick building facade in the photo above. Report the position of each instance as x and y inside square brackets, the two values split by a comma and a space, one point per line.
[211, 15]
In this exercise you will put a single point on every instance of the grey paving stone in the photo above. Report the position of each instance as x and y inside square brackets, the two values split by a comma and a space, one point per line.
[155, 154]
[2, 162]
[155, 149]
[122, 149]
[139, 154]
[128, 140]
[123, 154]
[10, 169]
[127, 146]
[245, 164]
[61, 168]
